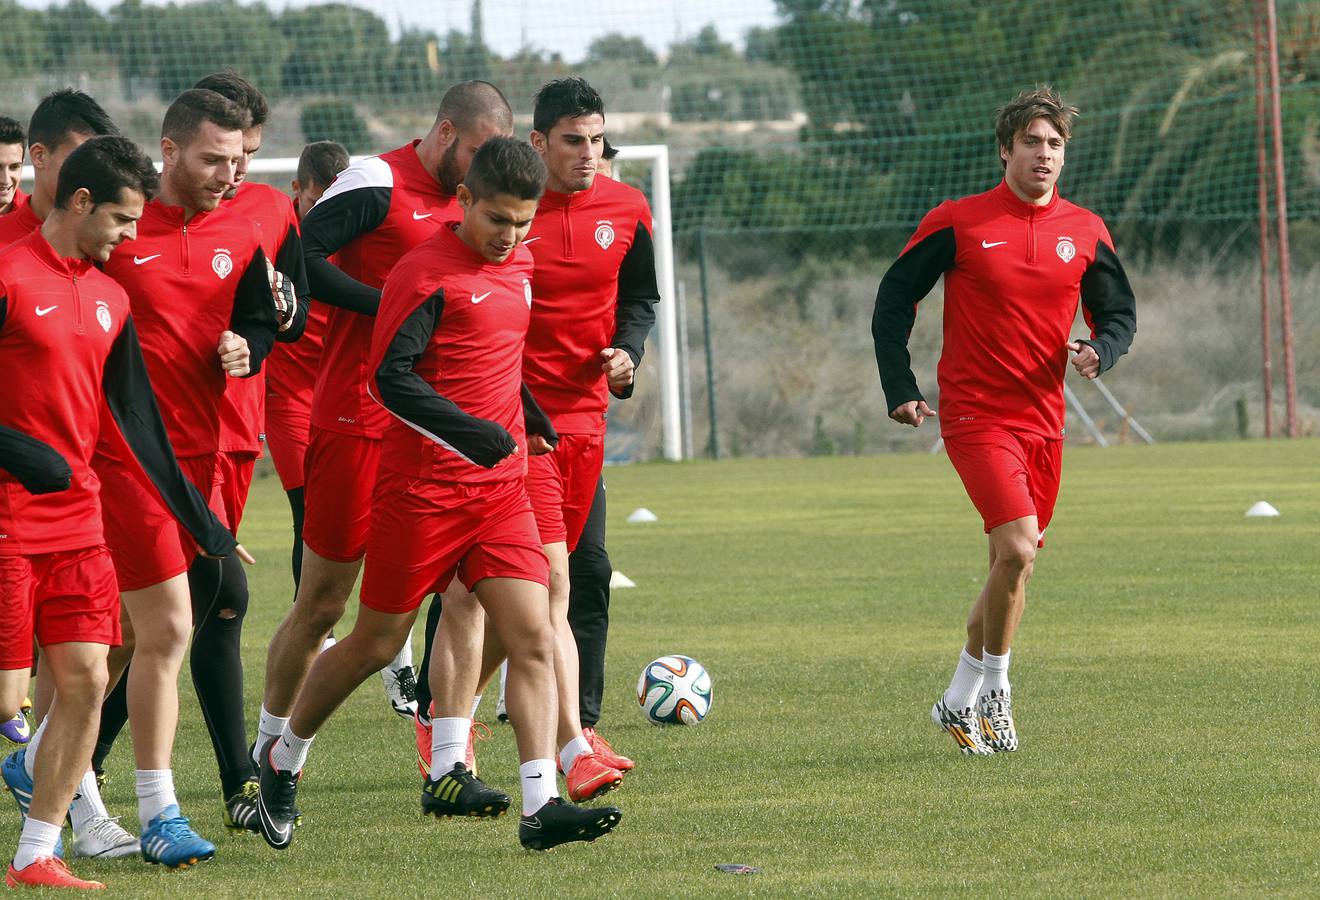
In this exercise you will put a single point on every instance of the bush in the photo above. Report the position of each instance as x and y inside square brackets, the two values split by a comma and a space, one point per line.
[335, 120]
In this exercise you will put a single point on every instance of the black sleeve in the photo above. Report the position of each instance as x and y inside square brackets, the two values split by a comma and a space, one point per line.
[908, 280]
[289, 260]
[638, 295]
[407, 395]
[130, 399]
[535, 420]
[331, 224]
[1111, 306]
[254, 312]
[37, 465]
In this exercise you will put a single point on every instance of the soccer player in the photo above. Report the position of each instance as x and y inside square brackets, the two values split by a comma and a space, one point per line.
[207, 310]
[594, 292]
[291, 368]
[450, 497]
[68, 344]
[377, 210]
[1015, 260]
[61, 122]
[13, 144]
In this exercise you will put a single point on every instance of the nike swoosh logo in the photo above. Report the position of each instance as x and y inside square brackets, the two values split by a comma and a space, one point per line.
[537, 775]
[529, 240]
[987, 244]
[419, 216]
[139, 260]
[48, 309]
[476, 299]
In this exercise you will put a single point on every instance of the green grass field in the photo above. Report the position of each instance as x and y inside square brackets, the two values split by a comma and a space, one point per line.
[1164, 680]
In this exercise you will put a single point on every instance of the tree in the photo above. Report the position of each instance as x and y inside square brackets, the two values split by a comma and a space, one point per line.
[616, 47]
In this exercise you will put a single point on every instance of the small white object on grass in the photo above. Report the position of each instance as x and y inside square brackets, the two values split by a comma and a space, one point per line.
[642, 514]
[620, 580]
[1261, 508]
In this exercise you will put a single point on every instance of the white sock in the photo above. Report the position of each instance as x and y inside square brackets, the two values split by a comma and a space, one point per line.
[965, 688]
[476, 701]
[404, 656]
[572, 750]
[448, 743]
[996, 672]
[87, 803]
[30, 756]
[328, 642]
[155, 792]
[538, 784]
[504, 678]
[269, 729]
[37, 840]
[289, 754]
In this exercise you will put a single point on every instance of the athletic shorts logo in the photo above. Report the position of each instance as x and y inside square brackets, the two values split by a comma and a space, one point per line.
[103, 315]
[221, 263]
[604, 233]
[1066, 249]
[527, 292]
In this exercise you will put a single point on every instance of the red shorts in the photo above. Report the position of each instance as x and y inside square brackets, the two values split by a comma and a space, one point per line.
[341, 472]
[233, 480]
[288, 428]
[562, 486]
[69, 595]
[422, 532]
[146, 543]
[1008, 475]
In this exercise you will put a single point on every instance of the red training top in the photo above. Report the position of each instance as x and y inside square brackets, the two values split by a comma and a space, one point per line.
[446, 361]
[1013, 273]
[19, 222]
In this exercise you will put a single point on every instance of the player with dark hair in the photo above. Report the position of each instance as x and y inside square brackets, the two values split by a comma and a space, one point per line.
[1015, 259]
[378, 209]
[207, 311]
[450, 497]
[291, 369]
[68, 345]
[61, 122]
[594, 291]
[13, 145]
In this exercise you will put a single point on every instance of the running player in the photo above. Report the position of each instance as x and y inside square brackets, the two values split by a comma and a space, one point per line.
[595, 290]
[1014, 261]
[378, 209]
[206, 307]
[291, 368]
[450, 497]
[13, 144]
[67, 339]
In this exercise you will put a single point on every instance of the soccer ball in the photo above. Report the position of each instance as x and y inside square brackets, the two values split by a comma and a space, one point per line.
[674, 690]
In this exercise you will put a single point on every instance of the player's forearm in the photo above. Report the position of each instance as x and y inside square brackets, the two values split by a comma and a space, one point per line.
[331, 285]
[1111, 307]
[535, 420]
[638, 295]
[408, 396]
[289, 261]
[37, 465]
[254, 317]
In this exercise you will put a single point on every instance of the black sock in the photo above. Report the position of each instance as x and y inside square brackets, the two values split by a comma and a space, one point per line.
[114, 715]
[217, 663]
[424, 673]
[297, 508]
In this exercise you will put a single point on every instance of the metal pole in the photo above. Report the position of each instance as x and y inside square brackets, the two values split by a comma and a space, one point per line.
[684, 372]
[1118, 408]
[1281, 216]
[1263, 202]
[713, 444]
[1082, 414]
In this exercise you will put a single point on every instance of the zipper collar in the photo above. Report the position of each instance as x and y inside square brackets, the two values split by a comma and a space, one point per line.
[555, 200]
[173, 215]
[1020, 208]
[61, 265]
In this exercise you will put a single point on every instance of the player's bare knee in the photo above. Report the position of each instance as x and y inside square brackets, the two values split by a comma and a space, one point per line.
[1017, 557]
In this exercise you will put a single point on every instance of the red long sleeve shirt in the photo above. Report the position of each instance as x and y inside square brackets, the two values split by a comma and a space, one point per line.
[446, 357]
[69, 352]
[376, 211]
[18, 222]
[594, 287]
[1013, 274]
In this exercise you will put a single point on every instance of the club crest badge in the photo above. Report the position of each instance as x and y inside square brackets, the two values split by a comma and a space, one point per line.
[1066, 249]
[222, 264]
[604, 233]
[527, 292]
[103, 315]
